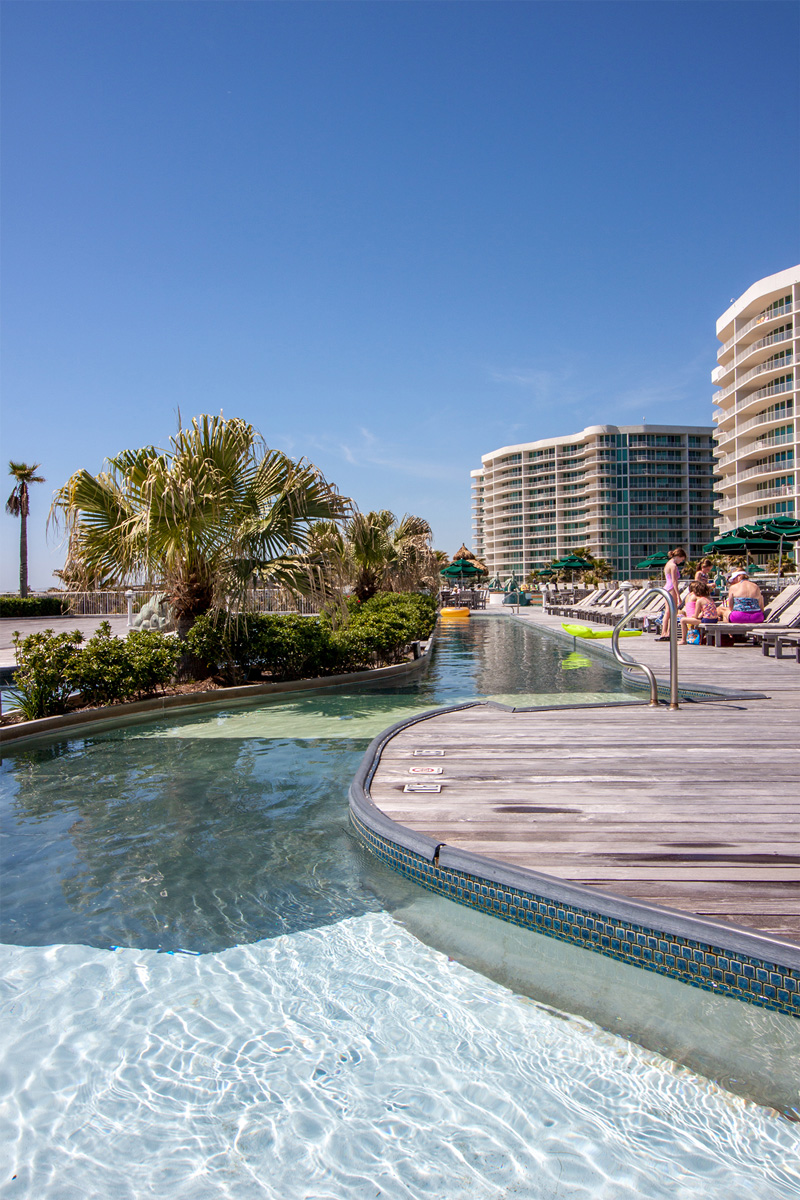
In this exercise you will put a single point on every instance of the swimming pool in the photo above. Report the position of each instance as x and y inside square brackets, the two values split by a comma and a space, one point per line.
[309, 1032]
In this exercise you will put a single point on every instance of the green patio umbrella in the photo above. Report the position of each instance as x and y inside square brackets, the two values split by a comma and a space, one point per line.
[460, 570]
[571, 562]
[655, 560]
[745, 539]
[785, 528]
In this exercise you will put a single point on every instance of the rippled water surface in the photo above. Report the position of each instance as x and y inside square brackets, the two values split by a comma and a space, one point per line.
[309, 1046]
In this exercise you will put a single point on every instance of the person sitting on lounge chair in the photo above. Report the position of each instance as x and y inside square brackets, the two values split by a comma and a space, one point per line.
[704, 610]
[745, 603]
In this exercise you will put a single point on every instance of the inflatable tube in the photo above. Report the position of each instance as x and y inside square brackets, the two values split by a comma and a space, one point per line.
[583, 631]
[457, 614]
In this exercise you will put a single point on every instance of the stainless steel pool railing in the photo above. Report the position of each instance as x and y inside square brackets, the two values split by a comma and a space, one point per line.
[673, 646]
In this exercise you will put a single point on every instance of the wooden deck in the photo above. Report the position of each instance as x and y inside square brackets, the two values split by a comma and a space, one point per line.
[697, 810]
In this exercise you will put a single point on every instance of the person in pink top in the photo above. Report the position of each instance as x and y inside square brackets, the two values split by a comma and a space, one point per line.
[672, 574]
[704, 610]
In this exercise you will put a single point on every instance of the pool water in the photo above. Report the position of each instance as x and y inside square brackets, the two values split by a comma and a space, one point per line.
[204, 832]
[209, 989]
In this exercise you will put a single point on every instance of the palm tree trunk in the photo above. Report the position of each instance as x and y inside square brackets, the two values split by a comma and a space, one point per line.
[23, 554]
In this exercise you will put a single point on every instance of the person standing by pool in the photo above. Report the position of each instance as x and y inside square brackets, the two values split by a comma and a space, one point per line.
[745, 603]
[672, 575]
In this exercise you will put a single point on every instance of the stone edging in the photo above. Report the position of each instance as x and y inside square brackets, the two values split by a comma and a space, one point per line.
[147, 709]
[726, 959]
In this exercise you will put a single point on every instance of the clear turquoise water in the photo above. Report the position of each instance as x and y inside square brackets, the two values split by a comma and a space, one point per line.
[204, 832]
[334, 1032]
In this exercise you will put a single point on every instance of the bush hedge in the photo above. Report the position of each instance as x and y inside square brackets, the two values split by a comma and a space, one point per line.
[33, 606]
[375, 633]
[52, 667]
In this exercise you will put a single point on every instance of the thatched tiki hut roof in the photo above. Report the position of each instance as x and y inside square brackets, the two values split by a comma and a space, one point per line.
[463, 552]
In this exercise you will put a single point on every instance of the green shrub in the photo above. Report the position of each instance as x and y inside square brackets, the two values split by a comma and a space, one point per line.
[222, 646]
[33, 606]
[100, 671]
[42, 681]
[110, 669]
[290, 646]
[153, 659]
[51, 667]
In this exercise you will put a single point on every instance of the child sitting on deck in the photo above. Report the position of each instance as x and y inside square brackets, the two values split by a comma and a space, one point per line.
[700, 609]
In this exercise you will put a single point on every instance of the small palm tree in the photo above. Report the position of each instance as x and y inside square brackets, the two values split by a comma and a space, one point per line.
[376, 552]
[200, 517]
[18, 505]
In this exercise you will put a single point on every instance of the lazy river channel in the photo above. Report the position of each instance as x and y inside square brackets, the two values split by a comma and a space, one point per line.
[210, 990]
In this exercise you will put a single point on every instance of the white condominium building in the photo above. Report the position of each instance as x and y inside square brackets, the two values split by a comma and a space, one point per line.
[757, 442]
[623, 491]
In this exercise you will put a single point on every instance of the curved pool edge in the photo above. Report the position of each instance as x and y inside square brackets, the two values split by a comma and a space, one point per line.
[713, 956]
[145, 710]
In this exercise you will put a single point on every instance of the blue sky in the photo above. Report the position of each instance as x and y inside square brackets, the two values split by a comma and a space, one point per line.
[393, 236]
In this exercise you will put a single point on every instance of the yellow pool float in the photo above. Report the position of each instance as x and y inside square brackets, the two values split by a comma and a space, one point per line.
[455, 614]
[583, 631]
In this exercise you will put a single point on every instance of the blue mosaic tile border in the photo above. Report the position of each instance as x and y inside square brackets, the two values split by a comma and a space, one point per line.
[711, 968]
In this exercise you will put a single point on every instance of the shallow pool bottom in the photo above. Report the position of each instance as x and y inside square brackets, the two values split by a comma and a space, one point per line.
[348, 1061]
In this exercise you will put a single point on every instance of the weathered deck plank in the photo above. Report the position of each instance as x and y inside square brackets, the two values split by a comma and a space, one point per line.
[697, 810]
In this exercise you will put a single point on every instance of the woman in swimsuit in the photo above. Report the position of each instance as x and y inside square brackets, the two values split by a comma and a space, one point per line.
[672, 574]
[745, 604]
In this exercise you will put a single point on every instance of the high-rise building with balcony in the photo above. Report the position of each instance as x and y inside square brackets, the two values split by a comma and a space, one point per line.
[756, 405]
[623, 491]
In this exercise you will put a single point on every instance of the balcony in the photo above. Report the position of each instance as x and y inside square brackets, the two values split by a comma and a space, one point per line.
[761, 369]
[782, 439]
[769, 314]
[785, 489]
[772, 389]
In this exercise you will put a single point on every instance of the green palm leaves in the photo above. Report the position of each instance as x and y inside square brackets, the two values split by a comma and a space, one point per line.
[200, 517]
[378, 552]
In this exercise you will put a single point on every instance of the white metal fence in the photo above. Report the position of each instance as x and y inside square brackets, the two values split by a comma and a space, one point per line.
[115, 603]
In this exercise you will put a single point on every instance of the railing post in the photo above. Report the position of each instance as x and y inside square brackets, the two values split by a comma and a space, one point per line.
[129, 598]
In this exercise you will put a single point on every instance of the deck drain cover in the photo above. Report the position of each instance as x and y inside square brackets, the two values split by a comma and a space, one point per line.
[429, 753]
[422, 787]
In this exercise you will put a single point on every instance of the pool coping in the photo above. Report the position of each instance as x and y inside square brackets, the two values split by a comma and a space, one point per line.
[144, 710]
[723, 958]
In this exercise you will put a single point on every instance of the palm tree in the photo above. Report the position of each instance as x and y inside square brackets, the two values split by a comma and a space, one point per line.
[200, 517]
[376, 552]
[18, 505]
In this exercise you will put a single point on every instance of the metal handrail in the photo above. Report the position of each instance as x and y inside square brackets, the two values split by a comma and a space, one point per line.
[673, 646]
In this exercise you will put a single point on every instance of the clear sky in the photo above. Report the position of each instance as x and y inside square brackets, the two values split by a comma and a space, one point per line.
[393, 236]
